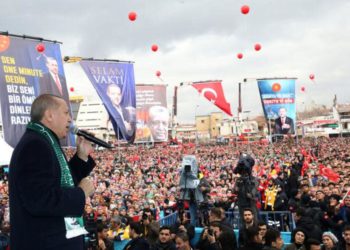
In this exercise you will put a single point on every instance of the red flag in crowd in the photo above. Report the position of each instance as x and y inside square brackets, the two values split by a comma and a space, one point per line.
[329, 173]
[214, 93]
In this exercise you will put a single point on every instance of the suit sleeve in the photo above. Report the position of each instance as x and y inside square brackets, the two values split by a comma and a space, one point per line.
[79, 168]
[38, 182]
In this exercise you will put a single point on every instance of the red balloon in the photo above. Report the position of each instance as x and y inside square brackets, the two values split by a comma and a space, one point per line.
[302, 89]
[257, 47]
[312, 76]
[40, 48]
[132, 16]
[158, 73]
[71, 89]
[245, 9]
[239, 55]
[154, 47]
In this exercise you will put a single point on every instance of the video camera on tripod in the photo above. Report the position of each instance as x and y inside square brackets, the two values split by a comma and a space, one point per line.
[189, 180]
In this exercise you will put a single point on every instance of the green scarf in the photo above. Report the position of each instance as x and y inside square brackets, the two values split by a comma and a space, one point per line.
[74, 225]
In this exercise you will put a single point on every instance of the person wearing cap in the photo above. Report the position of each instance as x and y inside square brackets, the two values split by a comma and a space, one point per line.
[329, 241]
[298, 239]
[117, 231]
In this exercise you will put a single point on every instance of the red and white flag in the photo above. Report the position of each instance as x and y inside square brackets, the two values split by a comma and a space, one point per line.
[214, 93]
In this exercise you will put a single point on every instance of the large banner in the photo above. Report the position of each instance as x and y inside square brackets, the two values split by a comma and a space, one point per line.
[152, 113]
[115, 84]
[278, 101]
[24, 74]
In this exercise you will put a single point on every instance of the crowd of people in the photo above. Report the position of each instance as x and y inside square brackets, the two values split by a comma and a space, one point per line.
[138, 185]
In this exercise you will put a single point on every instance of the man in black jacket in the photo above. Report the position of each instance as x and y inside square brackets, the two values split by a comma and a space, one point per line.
[138, 242]
[164, 241]
[47, 193]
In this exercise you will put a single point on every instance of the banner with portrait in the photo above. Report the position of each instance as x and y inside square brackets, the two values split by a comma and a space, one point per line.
[278, 101]
[152, 113]
[115, 85]
[26, 73]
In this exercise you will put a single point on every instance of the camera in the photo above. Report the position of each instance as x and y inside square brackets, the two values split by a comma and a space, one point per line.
[144, 217]
[244, 165]
[187, 168]
[210, 232]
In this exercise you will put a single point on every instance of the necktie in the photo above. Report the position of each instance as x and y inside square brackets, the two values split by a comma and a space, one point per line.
[283, 120]
[58, 83]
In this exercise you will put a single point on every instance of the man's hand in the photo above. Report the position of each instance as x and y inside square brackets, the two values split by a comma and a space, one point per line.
[87, 186]
[84, 148]
[101, 244]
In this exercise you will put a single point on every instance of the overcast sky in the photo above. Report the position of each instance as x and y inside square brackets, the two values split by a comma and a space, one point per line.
[199, 40]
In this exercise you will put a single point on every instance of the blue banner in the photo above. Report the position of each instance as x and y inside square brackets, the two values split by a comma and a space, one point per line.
[278, 101]
[115, 84]
[26, 73]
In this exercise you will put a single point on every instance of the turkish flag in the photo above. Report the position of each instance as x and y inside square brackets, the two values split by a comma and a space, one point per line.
[214, 93]
[329, 173]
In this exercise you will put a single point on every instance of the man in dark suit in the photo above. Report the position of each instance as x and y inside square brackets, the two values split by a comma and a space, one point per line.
[47, 193]
[52, 82]
[283, 124]
[124, 116]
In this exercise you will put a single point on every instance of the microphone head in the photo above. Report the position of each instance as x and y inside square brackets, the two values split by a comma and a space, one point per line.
[73, 129]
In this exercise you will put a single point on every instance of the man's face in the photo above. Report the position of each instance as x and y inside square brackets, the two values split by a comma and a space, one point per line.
[159, 126]
[327, 242]
[347, 201]
[346, 236]
[299, 237]
[104, 234]
[282, 112]
[279, 243]
[315, 247]
[216, 231]
[114, 93]
[248, 217]
[262, 231]
[52, 66]
[164, 236]
[58, 119]
[180, 244]
[320, 196]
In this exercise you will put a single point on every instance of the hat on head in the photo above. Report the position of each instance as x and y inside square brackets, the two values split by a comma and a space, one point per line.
[331, 236]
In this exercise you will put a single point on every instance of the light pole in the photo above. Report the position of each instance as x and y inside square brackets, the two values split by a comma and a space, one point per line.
[195, 122]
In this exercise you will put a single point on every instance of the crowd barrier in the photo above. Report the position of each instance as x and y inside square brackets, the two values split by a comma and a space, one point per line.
[279, 220]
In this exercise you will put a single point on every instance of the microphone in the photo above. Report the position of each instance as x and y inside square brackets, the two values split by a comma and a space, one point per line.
[89, 137]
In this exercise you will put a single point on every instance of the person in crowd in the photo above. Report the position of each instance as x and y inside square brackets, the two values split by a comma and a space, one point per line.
[138, 242]
[182, 241]
[254, 239]
[164, 241]
[150, 228]
[329, 240]
[273, 240]
[307, 224]
[48, 193]
[345, 243]
[184, 225]
[298, 239]
[248, 221]
[117, 230]
[262, 226]
[102, 235]
[312, 244]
